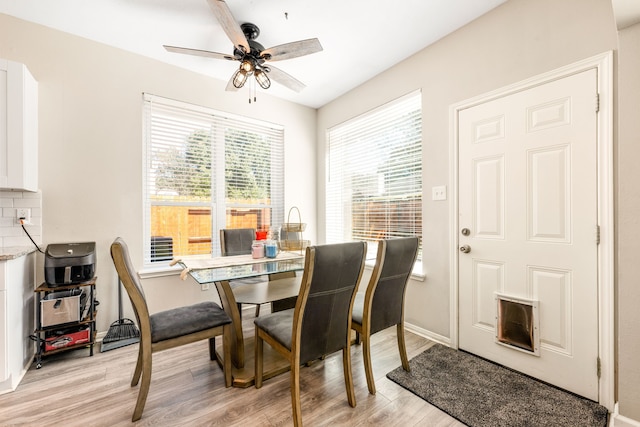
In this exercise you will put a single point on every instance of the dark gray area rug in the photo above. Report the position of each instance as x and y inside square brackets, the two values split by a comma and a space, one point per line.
[481, 393]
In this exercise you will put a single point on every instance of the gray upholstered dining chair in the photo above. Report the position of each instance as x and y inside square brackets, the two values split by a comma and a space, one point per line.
[381, 305]
[320, 322]
[238, 241]
[170, 328]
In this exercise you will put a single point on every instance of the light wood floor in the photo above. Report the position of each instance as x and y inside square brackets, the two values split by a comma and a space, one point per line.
[73, 389]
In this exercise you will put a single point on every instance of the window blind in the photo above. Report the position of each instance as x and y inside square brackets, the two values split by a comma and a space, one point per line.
[205, 170]
[374, 172]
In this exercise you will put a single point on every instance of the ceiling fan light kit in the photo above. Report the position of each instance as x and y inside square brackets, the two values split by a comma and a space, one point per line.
[240, 78]
[251, 54]
[263, 79]
[247, 66]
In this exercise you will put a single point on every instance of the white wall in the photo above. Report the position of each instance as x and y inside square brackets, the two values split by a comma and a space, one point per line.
[90, 146]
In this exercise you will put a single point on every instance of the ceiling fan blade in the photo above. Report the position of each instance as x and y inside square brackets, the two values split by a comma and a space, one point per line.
[229, 24]
[284, 79]
[292, 50]
[198, 52]
[230, 87]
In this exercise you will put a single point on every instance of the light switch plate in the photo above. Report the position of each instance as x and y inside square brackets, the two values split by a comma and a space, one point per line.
[439, 193]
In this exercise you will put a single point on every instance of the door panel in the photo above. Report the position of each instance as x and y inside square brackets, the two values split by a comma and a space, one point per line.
[489, 210]
[488, 279]
[527, 192]
[548, 191]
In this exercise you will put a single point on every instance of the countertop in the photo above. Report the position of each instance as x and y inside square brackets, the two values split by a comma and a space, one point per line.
[13, 252]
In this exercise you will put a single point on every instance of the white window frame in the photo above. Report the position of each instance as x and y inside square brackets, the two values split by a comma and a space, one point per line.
[346, 136]
[218, 204]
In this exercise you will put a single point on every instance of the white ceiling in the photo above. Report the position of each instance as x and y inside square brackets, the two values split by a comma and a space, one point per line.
[361, 38]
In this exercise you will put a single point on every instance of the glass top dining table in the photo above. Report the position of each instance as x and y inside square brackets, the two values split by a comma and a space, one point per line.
[217, 274]
[222, 270]
[218, 269]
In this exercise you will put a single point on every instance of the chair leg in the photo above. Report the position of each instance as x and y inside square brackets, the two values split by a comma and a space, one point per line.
[226, 353]
[144, 387]
[212, 348]
[368, 369]
[257, 358]
[257, 310]
[402, 347]
[348, 377]
[138, 370]
[295, 394]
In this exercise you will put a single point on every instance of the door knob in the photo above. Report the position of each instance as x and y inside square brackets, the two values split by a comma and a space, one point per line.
[465, 249]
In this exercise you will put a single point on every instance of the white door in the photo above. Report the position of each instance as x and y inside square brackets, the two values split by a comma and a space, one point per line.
[528, 196]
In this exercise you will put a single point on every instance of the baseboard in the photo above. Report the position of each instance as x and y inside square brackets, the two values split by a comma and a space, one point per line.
[618, 420]
[5, 386]
[11, 383]
[428, 334]
[100, 336]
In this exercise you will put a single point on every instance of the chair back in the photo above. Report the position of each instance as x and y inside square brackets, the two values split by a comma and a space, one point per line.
[236, 241]
[322, 316]
[389, 279]
[131, 282]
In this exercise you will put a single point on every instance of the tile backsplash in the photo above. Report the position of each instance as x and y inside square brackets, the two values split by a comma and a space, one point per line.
[11, 233]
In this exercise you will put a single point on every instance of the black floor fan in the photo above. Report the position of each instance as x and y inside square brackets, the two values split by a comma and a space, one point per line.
[122, 332]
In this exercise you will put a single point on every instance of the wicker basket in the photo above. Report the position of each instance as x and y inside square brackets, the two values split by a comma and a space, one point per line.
[294, 245]
[294, 227]
[294, 242]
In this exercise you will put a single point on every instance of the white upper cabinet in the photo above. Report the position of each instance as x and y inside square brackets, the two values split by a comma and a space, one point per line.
[18, 127]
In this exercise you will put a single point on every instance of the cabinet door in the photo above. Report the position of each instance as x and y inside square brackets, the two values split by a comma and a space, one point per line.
[4, 357]
[4, 338]
[4, 160]
[16, 319]
[19, 144]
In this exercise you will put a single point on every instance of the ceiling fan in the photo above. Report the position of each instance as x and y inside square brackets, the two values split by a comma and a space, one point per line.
[253, 57]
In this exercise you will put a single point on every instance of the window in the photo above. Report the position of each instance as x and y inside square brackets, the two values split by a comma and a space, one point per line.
[203, 171]
[374, 172]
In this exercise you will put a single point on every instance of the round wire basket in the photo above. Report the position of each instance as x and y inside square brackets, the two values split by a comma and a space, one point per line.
[294, 227]
[292, 231]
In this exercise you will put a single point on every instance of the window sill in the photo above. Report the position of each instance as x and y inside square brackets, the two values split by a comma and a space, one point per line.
[159, 271]
[419, 277]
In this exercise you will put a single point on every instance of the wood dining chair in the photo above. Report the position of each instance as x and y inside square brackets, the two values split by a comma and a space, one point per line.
[280, 289]
[238, 241]
[254, 291]
[170, 328]
[320, 322]
[381, 305]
